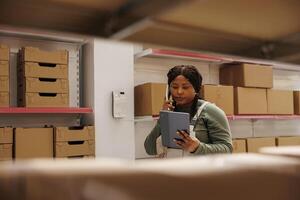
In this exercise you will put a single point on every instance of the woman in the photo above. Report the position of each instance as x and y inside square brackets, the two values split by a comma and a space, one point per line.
[212, 132]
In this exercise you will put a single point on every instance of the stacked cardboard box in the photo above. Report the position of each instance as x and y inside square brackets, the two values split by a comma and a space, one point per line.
[149, 98]
[4, 76]
[250, 82]
[220, 95]
[6, 143]
[280, 102]
[297, 102]
[239, 146]
[250, 101]
[247, 75]
[288, 141]
[43, 78]
[254, 144]
[33, 143]
[74, 141]
[253, 93]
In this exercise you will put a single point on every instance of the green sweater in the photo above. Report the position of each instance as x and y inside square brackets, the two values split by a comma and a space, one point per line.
[211, 129]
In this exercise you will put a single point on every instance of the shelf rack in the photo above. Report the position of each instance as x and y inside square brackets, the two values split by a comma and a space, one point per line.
[220, 59]
[22, 110]
[163, 53]
[232, 117]
[210, 57]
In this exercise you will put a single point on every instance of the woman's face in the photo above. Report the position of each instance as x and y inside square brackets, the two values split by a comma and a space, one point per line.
[182, 91]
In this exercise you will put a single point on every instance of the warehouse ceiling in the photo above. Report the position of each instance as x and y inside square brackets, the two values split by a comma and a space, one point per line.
[261, 29]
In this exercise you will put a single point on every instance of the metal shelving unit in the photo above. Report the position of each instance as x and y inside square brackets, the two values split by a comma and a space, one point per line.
[219, 59]
[243, 126]
[211, 58]
[64, 116]
[232, 117]
[263, 117]
[164, 53]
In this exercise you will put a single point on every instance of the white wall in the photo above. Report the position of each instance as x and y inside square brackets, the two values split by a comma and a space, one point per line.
[155, 70]
[112, 70]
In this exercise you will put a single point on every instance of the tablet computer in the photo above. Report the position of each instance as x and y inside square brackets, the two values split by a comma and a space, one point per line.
[170, 122]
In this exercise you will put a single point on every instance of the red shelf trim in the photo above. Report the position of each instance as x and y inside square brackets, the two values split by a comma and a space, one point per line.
[240, 117]
[261, 117]
[21, 110]
[162, 52]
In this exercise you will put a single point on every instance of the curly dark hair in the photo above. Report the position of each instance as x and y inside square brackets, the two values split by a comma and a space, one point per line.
[191, 73]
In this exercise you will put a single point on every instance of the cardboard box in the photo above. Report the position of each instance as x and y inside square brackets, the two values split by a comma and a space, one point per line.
[4, 84]
[4, 68]
[6, 152]
[149, 98]
[32, 54]
[6, 135]
[250, 177]
[88, 157]
[254, 144]
[33, 142]
[37, 70]
[69, 149]
[297, 102]
[46, 85]
[65, 134]
[4, 99]
[239, 146]
[288, 141]
[280, 102]
[221, 95]
[175, 153]
[4, 52]
[44, 100]
[247, 75]
[250, 101]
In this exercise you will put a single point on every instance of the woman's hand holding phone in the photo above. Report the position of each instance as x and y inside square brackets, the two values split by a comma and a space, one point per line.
[168, 105]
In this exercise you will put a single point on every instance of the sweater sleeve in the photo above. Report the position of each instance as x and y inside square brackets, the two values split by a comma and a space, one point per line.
[218, 132]
[150, 142]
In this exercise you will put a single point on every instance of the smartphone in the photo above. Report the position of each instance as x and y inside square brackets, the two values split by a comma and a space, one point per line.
[169, 96]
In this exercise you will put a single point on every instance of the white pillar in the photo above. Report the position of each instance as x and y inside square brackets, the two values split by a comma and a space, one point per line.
[113, 69]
